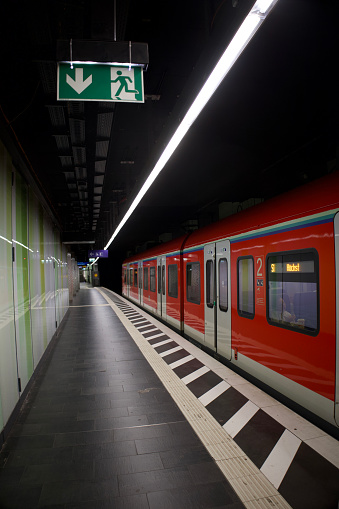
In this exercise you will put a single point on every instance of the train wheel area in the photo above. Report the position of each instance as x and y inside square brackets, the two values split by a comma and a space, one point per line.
[268, 453]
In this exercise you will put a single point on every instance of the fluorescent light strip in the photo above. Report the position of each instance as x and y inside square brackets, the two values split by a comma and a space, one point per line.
[4, 238]
[248, 28]
[23, 245]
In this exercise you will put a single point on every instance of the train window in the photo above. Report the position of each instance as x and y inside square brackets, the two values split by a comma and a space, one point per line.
[223, 285]
[152, 281]
[163, 280]
[159, 278]
[131, 277]
[140, 278]
[136, 278]
[125, 278]
[246, 287]
[210, 283]
[173, 280]
[145, 278]
[293, 290]
[193, 282]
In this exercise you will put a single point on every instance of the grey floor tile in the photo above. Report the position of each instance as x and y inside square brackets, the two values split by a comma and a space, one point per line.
[184, 456]
[142, 432]
[145, 482]
[132, 502]
[166, 443]
[70, 471]
[24, 457]
[107, 468]
[13, 496]
[92, 437]
[77, 491]
[121, 422]
[208, 496]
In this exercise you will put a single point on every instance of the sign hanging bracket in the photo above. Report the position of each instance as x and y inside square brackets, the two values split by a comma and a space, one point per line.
[71, 52]
[130, 55]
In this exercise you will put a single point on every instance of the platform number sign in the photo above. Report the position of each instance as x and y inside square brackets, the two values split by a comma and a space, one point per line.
[260, 286]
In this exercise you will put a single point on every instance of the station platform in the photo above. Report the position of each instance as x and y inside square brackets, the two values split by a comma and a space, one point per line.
[125, 413]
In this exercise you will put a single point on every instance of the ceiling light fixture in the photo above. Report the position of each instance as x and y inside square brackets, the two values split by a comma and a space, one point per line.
[248, 28]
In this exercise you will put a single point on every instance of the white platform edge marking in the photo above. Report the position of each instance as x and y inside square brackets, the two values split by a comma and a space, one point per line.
[172, 350]
[140, 327]
[164, 342]
[213, 393]
[240, 418]
[154, 336]
[195, 375]
[251, 486]
[327, 446]
[180, 362]
[280, 458]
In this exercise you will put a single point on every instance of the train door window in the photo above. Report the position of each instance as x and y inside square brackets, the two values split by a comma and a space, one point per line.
[131, 277]
[223, 285]
[125, 278]
[136, 278]
[152, 279]
[246, 287]
[145, 278]
[193, 282]
[293, 290]
[163, 280]
[159, 278]
[173, 280]
[140, 278]
[210, 283]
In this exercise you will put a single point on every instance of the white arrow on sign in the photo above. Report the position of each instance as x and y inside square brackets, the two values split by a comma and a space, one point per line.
[79, 85]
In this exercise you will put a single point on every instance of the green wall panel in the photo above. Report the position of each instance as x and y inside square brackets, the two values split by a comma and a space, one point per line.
[8, 363]
[34, 285]
[21, 280]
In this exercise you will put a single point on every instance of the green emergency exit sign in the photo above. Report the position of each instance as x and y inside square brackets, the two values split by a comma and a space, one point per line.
[100, 82]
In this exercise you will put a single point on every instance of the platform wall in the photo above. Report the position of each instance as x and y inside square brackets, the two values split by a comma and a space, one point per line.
[34, 295]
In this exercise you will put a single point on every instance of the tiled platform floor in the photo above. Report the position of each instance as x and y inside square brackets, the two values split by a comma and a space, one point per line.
[291, 459]
[99, 430]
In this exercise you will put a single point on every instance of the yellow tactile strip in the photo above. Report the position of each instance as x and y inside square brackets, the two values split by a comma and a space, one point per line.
[251, 486]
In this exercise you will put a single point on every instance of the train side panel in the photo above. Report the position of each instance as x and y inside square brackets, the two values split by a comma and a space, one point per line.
[298, 341]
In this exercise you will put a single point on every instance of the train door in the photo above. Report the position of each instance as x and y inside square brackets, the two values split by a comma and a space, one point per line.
[161, 287]
[128, 280]
[217, 293]
[159, 293]
[336, 236]
[140, 283]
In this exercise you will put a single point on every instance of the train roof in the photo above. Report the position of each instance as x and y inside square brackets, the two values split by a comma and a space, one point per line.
[312, 198]
[171, 246]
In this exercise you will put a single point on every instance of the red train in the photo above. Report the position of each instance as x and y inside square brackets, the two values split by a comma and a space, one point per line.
[260, 289]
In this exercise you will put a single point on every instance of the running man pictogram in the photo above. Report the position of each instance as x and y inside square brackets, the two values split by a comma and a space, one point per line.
[123, 85]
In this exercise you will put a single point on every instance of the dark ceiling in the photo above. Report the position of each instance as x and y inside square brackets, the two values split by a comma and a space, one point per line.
[271, 125]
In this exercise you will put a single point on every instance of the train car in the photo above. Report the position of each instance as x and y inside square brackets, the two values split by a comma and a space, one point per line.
[259, 289]
[153, 280]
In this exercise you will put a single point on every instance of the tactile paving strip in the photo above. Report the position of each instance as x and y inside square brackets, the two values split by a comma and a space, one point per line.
[261, 459]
